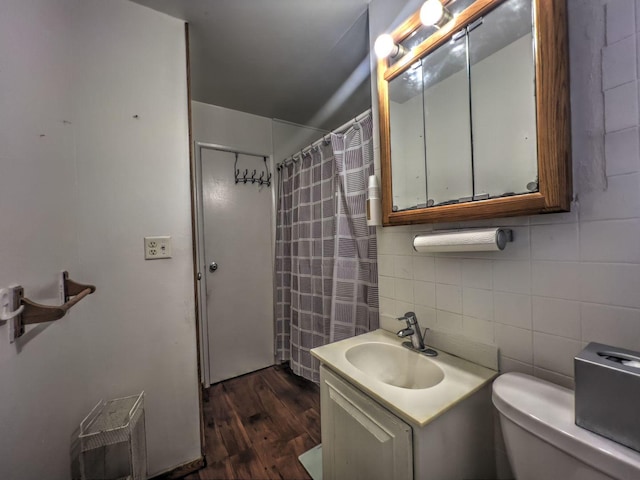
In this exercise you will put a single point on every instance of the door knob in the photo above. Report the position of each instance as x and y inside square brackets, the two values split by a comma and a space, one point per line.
[213, 266]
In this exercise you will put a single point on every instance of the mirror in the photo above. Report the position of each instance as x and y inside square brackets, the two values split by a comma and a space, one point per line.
[474, 120]
[407, 139]
[447, 124]
[503, 105]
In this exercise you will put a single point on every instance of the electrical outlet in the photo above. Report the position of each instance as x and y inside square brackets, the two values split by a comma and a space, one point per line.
[157, 247]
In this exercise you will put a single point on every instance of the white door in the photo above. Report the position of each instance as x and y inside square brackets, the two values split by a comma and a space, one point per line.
[239, 292]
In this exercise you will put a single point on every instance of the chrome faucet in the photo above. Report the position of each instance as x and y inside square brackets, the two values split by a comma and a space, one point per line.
[415, 333]
[412, 330]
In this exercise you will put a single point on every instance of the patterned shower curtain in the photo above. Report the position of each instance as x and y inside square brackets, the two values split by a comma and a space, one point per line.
[354, 306]
[326, 273]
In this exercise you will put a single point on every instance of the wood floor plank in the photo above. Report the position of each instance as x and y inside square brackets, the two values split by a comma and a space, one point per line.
[218, 470]
[258, 424]
[299, 393]
[310, 420]
[228, 424]
[286, 461]
[216, 449]
[248, 465]
[242, 392]
[287, 422]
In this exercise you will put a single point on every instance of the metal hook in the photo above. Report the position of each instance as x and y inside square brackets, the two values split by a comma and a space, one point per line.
[244, 177]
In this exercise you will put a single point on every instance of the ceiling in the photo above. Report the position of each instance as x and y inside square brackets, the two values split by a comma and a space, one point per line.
[303, 61]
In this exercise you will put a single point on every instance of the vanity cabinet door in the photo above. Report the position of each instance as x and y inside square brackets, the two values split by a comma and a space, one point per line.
[360, 439]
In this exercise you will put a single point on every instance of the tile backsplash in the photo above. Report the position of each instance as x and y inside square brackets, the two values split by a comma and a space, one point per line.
[567, 279]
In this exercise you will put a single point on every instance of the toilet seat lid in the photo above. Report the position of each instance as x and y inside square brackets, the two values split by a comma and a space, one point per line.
[547, 411]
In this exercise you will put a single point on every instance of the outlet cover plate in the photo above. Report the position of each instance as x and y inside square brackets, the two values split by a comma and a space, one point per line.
[156, 248]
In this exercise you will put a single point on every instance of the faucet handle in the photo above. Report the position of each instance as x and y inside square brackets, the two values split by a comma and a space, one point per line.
[410, 318]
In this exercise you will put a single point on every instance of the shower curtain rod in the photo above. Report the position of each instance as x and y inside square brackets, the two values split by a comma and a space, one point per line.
[220, 148]
[340, 129]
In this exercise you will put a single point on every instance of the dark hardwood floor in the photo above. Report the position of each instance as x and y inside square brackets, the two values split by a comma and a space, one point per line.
[258, 424]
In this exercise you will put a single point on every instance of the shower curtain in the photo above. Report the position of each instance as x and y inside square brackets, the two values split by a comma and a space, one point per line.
[326, 270]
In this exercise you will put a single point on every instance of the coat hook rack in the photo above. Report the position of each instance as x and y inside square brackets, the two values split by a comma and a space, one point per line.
[264, 178]
[266, 181]
[236, 169]
[20, 311]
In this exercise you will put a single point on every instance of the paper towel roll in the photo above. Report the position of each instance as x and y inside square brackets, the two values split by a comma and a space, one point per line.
[474, 240]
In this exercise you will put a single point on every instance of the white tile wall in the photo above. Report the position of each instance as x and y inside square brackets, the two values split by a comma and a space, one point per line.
[477, 303]
[557, 317]
[568, 278]
[513, 309]
[514, 277]
[622, 151]
[615, 234]
[619, 63]
[620, 20]
[621, 107]
[610, 325]
[449, 298]
[403, 266]
[424, 293]
[477, 274]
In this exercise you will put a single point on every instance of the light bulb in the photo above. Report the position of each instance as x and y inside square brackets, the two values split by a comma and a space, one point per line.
[385, 46]
[431, 12]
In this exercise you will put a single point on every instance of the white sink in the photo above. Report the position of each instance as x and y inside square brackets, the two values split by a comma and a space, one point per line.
[395, 365]
[414, 387]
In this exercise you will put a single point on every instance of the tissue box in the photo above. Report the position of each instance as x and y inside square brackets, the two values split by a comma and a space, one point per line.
[608, 393]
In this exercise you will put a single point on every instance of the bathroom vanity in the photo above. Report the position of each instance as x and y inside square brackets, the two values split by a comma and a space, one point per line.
[391, 413]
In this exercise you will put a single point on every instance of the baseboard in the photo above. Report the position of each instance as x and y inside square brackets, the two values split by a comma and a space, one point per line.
[182, 470]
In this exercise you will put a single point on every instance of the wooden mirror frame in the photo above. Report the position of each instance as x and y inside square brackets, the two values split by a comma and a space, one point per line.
[553, 118]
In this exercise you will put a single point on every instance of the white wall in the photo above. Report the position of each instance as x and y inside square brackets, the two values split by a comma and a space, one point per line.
[81, 183]
[568, 278]
[244, 131]
[289, 138]
[231, 128]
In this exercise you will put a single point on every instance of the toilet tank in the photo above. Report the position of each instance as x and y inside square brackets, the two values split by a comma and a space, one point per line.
[543, 441]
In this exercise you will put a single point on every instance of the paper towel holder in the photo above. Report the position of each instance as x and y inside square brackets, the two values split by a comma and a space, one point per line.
[470, 240]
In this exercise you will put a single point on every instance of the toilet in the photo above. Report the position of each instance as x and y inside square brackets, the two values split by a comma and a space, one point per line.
[543, 441]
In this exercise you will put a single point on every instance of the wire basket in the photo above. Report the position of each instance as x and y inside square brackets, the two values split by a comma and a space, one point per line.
[113, 440]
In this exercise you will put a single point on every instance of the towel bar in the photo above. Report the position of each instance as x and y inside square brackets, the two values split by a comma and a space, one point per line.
[28, 312]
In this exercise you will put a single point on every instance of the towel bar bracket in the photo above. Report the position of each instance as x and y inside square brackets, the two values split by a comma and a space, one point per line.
[27, 312]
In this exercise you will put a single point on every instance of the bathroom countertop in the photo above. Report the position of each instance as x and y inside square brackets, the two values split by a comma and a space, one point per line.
[416, 406]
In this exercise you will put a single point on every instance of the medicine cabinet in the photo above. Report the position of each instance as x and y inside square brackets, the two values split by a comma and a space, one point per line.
[474, 113]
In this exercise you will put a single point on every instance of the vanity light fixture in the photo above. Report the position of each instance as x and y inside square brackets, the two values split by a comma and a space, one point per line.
[386, 47]
[433, 13]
